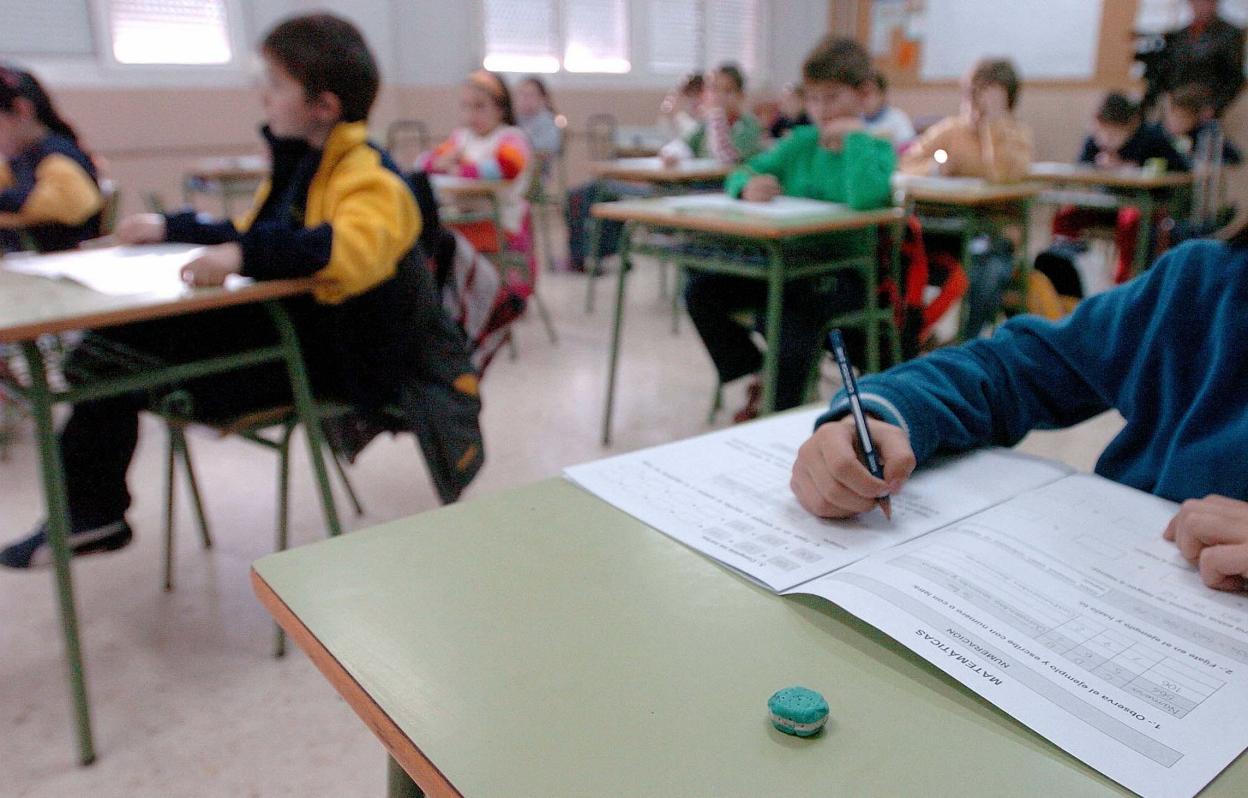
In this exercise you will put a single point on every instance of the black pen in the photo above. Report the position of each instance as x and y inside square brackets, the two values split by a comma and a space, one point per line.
[874, 464]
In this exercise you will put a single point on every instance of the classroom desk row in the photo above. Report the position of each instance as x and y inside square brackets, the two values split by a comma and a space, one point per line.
[961, 207]
[31, 307]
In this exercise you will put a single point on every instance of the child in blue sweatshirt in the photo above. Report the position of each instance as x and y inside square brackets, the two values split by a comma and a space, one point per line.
[1168, 350]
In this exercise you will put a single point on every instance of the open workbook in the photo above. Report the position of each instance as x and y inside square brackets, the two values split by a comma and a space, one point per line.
[1049, 593]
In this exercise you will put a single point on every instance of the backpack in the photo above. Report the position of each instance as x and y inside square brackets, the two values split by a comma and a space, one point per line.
[915, 310]
[473, 293]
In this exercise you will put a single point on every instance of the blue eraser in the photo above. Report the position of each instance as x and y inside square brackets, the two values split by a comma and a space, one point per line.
[798, 710]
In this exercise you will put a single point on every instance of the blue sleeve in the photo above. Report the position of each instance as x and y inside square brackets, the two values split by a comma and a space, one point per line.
[1032, 374]
[275, 251]
[189, 227]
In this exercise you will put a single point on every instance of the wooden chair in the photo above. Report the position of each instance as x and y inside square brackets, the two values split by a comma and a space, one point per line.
[600, 132]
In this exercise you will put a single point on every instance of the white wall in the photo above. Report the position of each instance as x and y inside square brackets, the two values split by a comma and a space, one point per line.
[435, 43]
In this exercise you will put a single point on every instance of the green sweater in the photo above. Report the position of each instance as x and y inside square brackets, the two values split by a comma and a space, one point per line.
[858, 175]
[746, 134]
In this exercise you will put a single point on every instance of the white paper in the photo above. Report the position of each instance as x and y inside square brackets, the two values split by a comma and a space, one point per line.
[777, 208]
[656, 164]
[1065, 608]
[118, 271]
[727, 495]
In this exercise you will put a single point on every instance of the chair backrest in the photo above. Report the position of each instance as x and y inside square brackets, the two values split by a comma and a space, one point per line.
[1209, 186]
[406, 139]
[600, 136]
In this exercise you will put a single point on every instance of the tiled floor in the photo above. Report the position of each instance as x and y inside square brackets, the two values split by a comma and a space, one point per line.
[187, 699]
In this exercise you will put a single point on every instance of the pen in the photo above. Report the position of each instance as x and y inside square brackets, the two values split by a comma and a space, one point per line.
[874, 464]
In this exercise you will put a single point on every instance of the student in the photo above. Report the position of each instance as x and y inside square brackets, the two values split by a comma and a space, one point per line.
[1189, 118]
[984, 141]
[334, 209]
[792, 112]
[489, 146]
[681, 110]
[727, 132]
[1167, 350]
[833, 159]
[535, 114]
[883, 120]
[1120, 137]
[49, 190]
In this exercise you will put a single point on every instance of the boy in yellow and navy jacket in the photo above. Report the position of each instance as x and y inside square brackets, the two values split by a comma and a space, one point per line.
[49, 190]
[334, 209]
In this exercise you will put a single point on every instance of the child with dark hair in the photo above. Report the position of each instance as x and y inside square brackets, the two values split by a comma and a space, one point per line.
[334, 209]
[886, 121]
[832, 159]
[488, 145]
[727, 132]
[1120, 137]
[681, 110]
[49, 189]
[792, 112]
[535, 113]
[1189, 118]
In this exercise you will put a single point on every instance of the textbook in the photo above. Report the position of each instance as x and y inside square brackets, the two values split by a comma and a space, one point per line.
[1047, 592]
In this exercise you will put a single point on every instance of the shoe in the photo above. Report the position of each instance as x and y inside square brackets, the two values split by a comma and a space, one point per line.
[34, 551]
[753, 398]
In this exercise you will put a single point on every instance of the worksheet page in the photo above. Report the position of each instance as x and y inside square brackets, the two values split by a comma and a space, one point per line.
[1066, 608]
[776, 208]
[154, 269]
[727, 495]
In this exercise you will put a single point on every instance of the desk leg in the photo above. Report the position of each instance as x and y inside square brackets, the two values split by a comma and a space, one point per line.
[616, 330]
[305, 409]
[594, 267]
[58, 530]
[1144, 202]
[398, 783]
[775, 305]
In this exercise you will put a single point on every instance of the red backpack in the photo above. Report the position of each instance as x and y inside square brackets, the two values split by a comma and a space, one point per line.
[914, 315]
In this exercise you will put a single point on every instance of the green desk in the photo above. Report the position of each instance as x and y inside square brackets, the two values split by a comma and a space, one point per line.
[969, 208]
[34, 306]
[658, 180]
[770, 235]
[229, 178]
[541, 643]
[1131, 187]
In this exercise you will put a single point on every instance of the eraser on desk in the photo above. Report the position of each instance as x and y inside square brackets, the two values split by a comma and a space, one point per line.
[798, 711]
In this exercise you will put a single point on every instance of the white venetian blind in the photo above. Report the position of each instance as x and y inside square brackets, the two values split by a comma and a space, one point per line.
[1163, 16]
[675, 36]
[596, 32]
[169, 31]
[46, 27]
[521, 36]
[732, 33]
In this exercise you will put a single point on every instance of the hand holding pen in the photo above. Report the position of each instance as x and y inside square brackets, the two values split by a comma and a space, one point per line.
[830, 478]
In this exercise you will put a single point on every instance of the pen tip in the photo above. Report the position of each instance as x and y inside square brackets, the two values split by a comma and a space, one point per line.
[886, 506]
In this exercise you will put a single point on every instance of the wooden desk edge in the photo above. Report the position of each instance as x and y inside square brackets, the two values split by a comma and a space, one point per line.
[399, 745]
[196, 303]
[746, 228]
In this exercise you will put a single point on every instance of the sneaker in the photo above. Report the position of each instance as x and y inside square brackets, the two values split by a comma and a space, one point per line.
[34, 551]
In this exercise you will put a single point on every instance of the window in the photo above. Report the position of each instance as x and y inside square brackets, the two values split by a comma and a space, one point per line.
[1162, 16]
[547, 35]
[169, 31]
[688, 35]
[48, 27]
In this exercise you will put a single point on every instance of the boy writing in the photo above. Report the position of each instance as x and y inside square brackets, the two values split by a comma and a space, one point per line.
[1167, 350]
[832, 159]
[335, 210]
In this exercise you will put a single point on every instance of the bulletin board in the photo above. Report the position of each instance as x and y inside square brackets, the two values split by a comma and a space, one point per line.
[899, 32]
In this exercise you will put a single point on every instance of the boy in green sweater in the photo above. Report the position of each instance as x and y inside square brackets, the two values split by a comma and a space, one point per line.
[832, 159]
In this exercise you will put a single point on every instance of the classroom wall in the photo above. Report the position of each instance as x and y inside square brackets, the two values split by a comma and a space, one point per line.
[149, 125]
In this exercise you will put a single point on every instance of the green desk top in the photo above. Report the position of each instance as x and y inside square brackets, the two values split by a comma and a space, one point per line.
[539, 642]
[31, 306]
